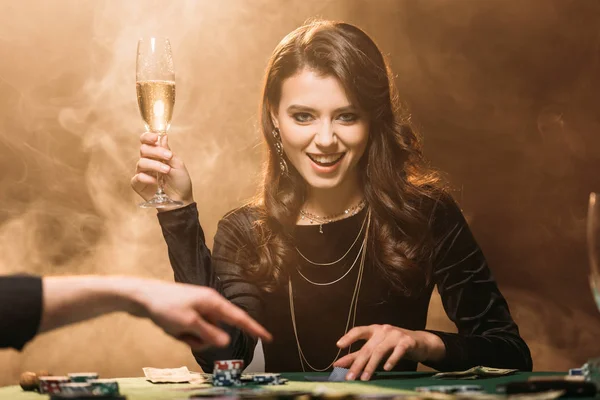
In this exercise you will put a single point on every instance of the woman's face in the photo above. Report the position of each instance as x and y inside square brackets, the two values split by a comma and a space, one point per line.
[324, 135]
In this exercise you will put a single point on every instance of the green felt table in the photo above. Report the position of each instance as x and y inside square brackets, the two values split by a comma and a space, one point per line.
[139, 388]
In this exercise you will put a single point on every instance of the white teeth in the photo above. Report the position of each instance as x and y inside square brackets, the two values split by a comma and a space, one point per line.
[326, 159]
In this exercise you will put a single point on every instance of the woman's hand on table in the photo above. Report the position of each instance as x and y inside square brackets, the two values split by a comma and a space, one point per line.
[386, 341]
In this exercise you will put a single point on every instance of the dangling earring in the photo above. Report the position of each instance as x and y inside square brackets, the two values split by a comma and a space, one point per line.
[279, 148]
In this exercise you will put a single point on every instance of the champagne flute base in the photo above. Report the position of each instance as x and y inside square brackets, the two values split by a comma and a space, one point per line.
[161, 201]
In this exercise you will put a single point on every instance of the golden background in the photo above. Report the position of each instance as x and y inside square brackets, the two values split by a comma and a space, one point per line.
[506, 94]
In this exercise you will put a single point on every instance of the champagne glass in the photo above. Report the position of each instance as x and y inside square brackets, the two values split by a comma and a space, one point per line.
[155, 86]
[593, 244]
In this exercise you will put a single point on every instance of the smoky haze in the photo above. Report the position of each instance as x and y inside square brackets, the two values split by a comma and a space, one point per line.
[505, 93]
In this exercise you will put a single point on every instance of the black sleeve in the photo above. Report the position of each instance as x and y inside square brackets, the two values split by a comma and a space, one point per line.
[487, 334]
[20, 309]
[192, 263]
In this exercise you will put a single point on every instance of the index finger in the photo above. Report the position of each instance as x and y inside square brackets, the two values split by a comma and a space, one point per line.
[354, 334]
[227, 312]
[149, 138]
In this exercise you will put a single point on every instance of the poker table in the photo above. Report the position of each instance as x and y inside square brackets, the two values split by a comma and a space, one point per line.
[383, 383]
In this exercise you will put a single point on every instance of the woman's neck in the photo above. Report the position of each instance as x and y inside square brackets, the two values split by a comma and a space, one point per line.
[334, 201]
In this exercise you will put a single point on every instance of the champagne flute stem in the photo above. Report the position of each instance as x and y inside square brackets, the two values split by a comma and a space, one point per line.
[161, 184]
[160, 177]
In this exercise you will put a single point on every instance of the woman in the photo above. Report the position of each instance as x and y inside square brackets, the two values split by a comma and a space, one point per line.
[339, 254]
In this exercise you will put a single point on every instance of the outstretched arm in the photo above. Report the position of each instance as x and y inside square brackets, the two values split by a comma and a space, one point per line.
[188, 313]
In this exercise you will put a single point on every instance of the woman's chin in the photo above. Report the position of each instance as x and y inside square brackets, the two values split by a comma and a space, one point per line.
[319, 183]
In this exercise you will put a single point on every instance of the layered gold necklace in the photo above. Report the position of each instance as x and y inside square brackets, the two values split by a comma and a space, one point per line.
[351, 319]
[312, 218]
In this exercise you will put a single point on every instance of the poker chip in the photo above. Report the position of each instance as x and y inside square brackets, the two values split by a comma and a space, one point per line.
[227, 373]
[228, 364]
[450, 389]
[83, 376]
[104, 387]
[226, 380]
[270, 379]
[51, 384]
[76, 388]
[591, 370]
[576, 372]
[280, 381]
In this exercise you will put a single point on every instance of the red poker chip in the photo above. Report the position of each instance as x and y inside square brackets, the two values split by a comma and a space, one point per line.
[229, 364]
[51, 384]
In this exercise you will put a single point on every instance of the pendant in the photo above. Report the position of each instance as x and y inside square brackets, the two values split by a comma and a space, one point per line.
[321, 228]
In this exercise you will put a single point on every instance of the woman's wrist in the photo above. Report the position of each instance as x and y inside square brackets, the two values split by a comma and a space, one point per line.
[435, 349]
[185, 204]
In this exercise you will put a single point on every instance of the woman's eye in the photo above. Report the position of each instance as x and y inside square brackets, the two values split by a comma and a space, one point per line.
[302, 117]
[348, 117]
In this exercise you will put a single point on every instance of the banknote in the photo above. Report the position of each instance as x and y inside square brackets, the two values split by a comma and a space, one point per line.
[172, 375]
[475, 373]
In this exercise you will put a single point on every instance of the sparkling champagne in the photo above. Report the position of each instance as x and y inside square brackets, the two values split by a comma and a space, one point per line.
[156, 100]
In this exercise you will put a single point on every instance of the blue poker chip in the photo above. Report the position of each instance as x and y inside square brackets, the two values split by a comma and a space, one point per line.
[265, 377]
[268, 379]
[227, 377]
[576, 371]
[450, 389]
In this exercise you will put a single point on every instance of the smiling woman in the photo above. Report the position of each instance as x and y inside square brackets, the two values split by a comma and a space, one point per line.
[324, 136]
[340, 252]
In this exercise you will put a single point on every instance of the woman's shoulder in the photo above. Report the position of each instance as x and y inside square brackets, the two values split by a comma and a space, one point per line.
[239, 221]
[445, 202]
[245, 214]
[445, 212]
[234, 229]
[439, 204]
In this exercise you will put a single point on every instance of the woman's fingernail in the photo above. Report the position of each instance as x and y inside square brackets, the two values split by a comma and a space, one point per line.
[165, 168]
[167, 154]
[387, 367]
[364, 376]
[349, 376]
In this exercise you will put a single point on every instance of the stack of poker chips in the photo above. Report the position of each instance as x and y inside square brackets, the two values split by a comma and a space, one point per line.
[104, 387]
[52, 384]
[75, 384]
[76, 388]
[590, 370]
[78, 384]
[83, 377]
[228, 373]
[268, 379]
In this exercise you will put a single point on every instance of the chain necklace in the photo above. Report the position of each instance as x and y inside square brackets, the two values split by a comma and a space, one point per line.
[342, 257]
[360, 251]
[348, 212]
[351, 312]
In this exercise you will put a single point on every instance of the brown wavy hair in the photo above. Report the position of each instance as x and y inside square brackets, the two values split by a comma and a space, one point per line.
[396, 181]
